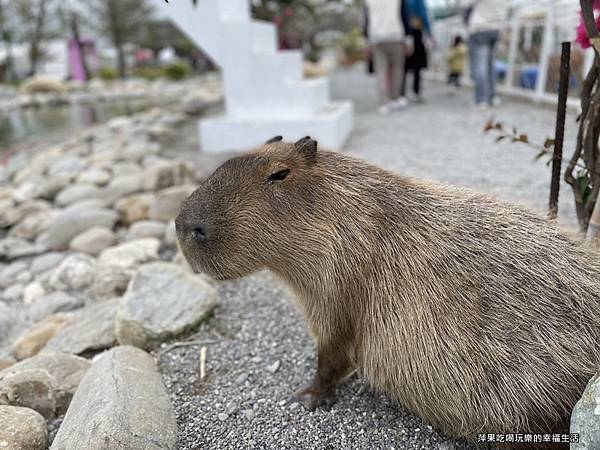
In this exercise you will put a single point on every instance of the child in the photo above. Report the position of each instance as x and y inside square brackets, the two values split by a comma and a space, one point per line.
[456, 62]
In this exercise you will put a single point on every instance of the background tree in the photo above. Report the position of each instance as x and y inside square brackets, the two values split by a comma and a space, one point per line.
[6, 35]
[35, 25]
[124, 21]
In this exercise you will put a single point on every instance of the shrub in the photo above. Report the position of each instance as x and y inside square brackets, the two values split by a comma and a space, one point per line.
[175, 71]
[147, 72]
[108, 73]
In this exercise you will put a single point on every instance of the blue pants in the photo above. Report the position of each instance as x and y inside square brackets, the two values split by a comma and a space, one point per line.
[482, 53]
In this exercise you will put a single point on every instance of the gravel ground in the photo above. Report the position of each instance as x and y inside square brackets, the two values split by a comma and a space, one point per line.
[259, 349]
[258, 352]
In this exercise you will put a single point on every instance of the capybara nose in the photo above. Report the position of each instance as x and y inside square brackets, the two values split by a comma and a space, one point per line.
[198, 230]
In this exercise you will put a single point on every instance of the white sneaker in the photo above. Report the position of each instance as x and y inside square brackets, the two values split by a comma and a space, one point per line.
[400, 103]
[496, 101]
[386, 108]
[483, 106]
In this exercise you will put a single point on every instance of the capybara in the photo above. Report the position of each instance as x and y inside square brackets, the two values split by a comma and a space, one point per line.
[475, 314]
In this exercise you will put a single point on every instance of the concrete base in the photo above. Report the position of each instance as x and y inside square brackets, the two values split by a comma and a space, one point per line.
[330, 126]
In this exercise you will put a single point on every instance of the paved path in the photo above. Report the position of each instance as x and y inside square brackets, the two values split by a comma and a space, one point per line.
[258, 345]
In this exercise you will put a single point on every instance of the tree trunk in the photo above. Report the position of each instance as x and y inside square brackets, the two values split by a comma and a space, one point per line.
[121, 61]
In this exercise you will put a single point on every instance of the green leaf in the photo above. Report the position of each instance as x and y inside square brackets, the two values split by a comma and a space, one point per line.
[549, 143]
[523, 138]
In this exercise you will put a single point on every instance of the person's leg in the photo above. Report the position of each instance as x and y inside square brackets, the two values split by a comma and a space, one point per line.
[404, 81]
[492, 76]
[417, 82]
[478, 53]
[396, 55]
[381, 72]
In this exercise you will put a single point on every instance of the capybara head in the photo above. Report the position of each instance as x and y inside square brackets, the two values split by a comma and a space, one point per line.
[234, 223]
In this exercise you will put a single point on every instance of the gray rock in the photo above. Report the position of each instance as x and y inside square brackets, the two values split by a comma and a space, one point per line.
[125, 168]
[91, 330]
[130, 254]
[52, 186]
[170, 236]
[71, 221]
[121, 404]
[22, 428]
[11, 248]
[164, 174]
[162, 301]
[585, 418]
[52, 303]
[9, 215]
[13, 293]
[168, 202]
[76, 271]
[30, 226]
[76, 192]
[95, 176]
[134, 207]
[110, 282]
[26, 191]
[34, 338]
[120, 187]
[10, 320]
[23, 277]
[45, 382]
[66, 166]
[145, 229]
[46, 262]
[93, 240]
[10, 272]
[33, 292]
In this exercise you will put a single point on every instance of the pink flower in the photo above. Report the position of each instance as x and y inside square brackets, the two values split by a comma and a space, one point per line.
[582, 37]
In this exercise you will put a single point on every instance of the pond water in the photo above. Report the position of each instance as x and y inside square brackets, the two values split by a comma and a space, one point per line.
[24, 124]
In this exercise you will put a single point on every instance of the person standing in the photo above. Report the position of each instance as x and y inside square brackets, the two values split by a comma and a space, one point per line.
[484, 22]
[457, 57]
[416, 58]
[386, 36]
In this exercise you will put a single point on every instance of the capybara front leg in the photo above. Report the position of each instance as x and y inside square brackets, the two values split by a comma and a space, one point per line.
[333, 364]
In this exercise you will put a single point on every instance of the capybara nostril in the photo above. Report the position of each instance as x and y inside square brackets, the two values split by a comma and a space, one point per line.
[199, 233]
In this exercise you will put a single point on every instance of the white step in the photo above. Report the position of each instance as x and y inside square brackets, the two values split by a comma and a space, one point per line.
[287, 64]
[238, 10]
[330, 126]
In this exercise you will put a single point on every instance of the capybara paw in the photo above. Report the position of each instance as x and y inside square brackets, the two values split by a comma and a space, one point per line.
[311, 398]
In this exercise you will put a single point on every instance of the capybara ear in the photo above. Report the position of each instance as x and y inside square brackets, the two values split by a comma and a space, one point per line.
[308, 147]
[274, 139]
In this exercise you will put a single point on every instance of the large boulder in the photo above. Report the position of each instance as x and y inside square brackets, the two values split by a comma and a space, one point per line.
[44, 383]
[585, 419]
[161, 302]
[73, 220]
[22, 429]
[91, 330]
[121, 404]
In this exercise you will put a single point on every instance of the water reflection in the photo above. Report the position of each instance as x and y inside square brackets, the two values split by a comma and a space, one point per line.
[24, 124]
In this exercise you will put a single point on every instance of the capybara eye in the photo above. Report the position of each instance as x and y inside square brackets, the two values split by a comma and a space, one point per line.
[278, 176]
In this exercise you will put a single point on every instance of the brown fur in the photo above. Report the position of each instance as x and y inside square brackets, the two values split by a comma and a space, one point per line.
[476, 315]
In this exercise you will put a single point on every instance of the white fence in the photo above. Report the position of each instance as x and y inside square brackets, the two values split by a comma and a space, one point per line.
[528, 59]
